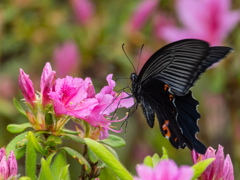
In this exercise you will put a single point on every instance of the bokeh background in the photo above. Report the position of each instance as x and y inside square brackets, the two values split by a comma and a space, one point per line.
[84, 38]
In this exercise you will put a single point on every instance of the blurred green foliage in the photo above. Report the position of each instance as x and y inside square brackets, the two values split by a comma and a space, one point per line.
[30, 30]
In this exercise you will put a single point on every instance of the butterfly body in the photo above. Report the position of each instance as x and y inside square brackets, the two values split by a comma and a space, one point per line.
[162, 88]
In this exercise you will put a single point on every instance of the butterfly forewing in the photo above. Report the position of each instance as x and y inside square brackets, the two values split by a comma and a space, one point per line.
[180, 63]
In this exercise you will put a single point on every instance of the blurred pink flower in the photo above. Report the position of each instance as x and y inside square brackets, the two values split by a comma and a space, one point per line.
[209, 20]
[141, 14]
[8, 86]
[26, 87]
[165, 169]
[83, 9]
[66, 58]
[47, 80]
[8, 168]
[219, 169]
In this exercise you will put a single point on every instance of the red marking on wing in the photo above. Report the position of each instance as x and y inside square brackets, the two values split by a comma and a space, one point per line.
[165, 129]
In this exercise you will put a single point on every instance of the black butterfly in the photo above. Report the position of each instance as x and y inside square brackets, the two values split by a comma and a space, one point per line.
[163, 84]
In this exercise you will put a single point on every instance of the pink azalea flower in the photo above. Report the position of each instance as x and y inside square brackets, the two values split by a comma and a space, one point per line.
[69, 97]
[209, 20]
[219, 168]
[165, 169]
[141, 14]
[26, 87]
[83, 9]
[76, 97]
[66, 58]
[108, 102]
[8, 168]
[47, 80]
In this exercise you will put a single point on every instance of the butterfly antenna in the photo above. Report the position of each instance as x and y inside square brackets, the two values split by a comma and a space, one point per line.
[128, 58]
[140, 57]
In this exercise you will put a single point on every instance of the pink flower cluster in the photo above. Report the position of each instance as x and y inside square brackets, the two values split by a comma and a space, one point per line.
[165, 169]
[220, 168]
[8, 168]
[76, 97]
[209, 20]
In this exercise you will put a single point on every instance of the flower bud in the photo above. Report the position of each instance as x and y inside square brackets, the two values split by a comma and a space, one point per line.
[12, 164]
[26, 87]
[47, 81]
[4, 171]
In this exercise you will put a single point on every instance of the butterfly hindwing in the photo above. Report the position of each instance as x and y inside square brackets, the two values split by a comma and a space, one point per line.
[162, 102]
[187, 119]
[148, 111]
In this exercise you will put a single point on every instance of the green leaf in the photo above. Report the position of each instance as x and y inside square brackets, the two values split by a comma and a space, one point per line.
[107, 174]
[30, 159]
[19, 152]
[38, 133]
[114, 141]
[36, 144]
[19, 107]
[148, 161]
[108, 158]
[46, 170]
[92, 156]
[65, 173]
[200, 167]
[70, 132]
[21, 143]
[56, 139]
[12, 144]
[24, 178]
[49, 160]
[58, 164]
[18, 128]
[74, 138]
[48, 119]
[112, 151]
[165, 154]
[79, 157]
[155, 159]
[53, 141]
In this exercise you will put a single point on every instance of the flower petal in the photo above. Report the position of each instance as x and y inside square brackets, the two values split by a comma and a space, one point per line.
[2, 153]
[185, 172]
[219, 162]
[228, 169]
[166, 169]
[144, 172]
[4, 171]
[12, 164]
[210, 171]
